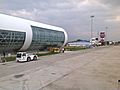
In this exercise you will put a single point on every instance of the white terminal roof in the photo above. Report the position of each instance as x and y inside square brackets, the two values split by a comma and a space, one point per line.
[11, 22]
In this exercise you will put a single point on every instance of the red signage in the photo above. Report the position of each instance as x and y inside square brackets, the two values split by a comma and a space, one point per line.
[102, 34]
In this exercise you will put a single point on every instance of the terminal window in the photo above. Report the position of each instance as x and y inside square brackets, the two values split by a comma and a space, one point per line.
[11, 40]
[46, 37]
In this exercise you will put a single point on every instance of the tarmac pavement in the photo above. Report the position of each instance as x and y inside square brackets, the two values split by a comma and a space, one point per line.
[93, 69]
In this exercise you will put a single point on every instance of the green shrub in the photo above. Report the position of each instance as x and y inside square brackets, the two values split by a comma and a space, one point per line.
[44, 54]
[11, 58]
[74, 48]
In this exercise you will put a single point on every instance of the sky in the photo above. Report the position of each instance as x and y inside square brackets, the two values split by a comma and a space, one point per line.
[72, 15]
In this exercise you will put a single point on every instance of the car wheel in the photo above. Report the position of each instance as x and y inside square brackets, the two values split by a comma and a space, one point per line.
[18, 61]
[28, 59]
[34, 58]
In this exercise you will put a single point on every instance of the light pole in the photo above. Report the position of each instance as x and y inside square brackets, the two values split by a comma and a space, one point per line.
[106, 32]
[91, 21]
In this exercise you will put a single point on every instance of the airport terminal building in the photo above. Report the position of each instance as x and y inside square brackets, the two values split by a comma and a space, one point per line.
[17, 34]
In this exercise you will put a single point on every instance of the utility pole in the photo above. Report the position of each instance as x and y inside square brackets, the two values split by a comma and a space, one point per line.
[91, 27]
[106, 33]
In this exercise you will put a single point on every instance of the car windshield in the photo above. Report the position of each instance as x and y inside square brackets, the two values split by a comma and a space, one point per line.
[24, 54]
[18, 55]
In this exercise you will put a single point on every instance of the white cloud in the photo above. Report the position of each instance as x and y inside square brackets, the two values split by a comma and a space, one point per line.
[73, 15]
[22, 13]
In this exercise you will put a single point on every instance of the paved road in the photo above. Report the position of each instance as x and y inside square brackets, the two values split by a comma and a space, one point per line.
[96, 69]
[44, 61]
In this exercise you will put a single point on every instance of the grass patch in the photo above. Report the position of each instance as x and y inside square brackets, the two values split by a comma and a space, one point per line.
[68, 48]
[45, 54]
[12, 58]
[74, 48]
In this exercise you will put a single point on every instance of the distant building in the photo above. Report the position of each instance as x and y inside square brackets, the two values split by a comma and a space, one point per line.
[79, 43]
[18, 34]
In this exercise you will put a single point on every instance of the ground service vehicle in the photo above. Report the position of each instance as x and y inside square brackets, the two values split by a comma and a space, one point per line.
[23, 56]
[94, 42]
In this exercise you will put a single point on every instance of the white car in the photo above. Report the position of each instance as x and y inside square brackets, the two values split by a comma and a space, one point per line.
[23, 56]
[94, 42]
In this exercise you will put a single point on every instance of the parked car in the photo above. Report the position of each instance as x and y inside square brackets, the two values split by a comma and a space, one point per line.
[23, 56]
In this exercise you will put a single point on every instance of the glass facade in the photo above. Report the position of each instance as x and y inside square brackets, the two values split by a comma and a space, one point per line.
[43, 38]
[11, 40]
